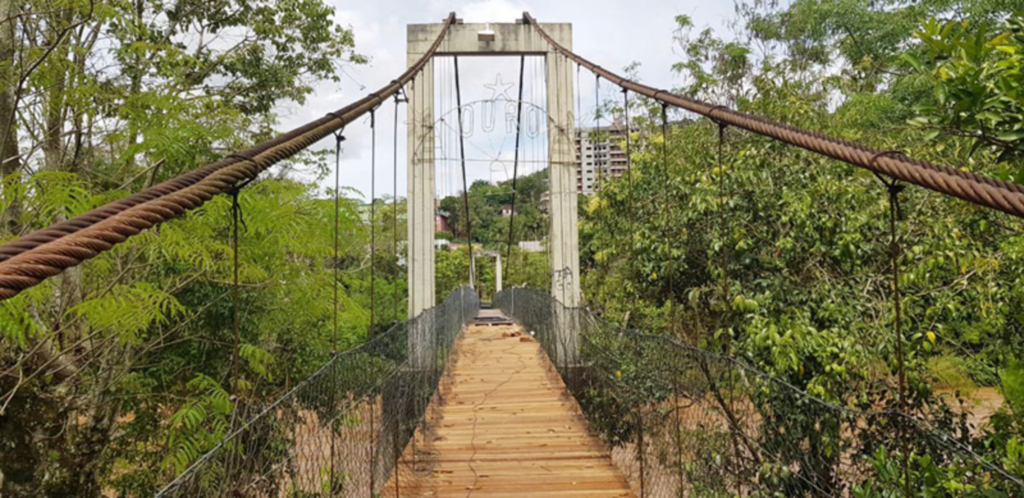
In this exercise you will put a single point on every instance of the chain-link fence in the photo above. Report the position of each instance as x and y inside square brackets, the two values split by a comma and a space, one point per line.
[682, 421]
[343, 431]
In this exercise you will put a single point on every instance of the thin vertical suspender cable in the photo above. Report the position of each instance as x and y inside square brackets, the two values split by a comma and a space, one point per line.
[338, 138]
[373, 220]
[235, 212]
[441, 94]
[410, 154]
[579, 122]
[563, 196]
[579, 100]
[394, 216]
[515, 168]
[629, 185]
[465, 185]
[597, 134]
[337, 209]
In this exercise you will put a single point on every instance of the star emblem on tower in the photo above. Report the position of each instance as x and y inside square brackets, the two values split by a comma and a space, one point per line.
[499, 87]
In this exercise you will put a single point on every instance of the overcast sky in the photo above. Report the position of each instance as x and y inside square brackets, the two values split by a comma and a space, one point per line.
[612, 33]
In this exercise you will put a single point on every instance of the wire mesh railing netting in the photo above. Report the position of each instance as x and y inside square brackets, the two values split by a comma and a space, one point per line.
[344, 430]
[682, 421]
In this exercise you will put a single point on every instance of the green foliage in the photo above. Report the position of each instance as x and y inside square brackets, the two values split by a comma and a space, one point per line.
[17, 325]
[198, 425]
[129, 311]
[259, 360]
[1013, 387]
[782, 258]
[950, 372]
[525, 269]
[485, 203]
[975, 71]
[124, 365]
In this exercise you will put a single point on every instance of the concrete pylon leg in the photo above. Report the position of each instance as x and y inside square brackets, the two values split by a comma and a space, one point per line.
[420, 203]
[565, 260]
[565, 282]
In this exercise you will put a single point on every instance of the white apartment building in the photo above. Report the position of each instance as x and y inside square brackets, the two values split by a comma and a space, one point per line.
[602, 159]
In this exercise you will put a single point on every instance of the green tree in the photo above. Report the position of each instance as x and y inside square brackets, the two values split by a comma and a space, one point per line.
[781, 257]
[975, 72]
[105, 367]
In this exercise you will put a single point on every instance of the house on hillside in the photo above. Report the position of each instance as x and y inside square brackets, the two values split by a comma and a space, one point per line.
[531, 246]
[441, 222]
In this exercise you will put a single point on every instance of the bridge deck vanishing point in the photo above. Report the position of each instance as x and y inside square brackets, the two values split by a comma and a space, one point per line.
[506, 428]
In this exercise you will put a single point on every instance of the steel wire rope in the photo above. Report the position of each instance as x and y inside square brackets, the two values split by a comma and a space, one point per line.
[579, 101]
[236, 218]
[563, 200]
[630, 187]
[985, 191]
[541, 148]
[31, 259]
[742, 365]
[608, 353]
[630, 335]
[411, 146]
[724, 261]
[465, 185]
[578, 134]
[335, 266]
[394, 216]
[598, 140]
[373, 221]
[359, 351]
[339, 138]
[441, 95]
[1003, 196]
[893, 188]
[515, 168]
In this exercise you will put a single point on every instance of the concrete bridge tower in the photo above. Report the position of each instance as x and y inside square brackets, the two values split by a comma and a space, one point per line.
[492, 39]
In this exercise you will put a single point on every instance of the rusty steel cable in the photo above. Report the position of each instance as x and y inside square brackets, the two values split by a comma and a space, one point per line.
[31, 259]
[1004, 196]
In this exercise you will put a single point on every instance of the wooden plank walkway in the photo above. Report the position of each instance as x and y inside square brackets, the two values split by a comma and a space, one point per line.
[506, 428]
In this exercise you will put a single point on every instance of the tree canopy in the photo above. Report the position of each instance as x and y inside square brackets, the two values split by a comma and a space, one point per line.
[784, 258]
[119, 373]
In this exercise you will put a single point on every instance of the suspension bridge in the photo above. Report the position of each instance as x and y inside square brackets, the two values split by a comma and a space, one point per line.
[532, 395]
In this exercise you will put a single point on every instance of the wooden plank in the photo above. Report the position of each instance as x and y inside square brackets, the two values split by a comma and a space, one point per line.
[506, 429]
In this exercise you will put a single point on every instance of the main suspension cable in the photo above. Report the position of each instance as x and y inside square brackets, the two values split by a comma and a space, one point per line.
[465, 185]
[984, 191]
[26, 262]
